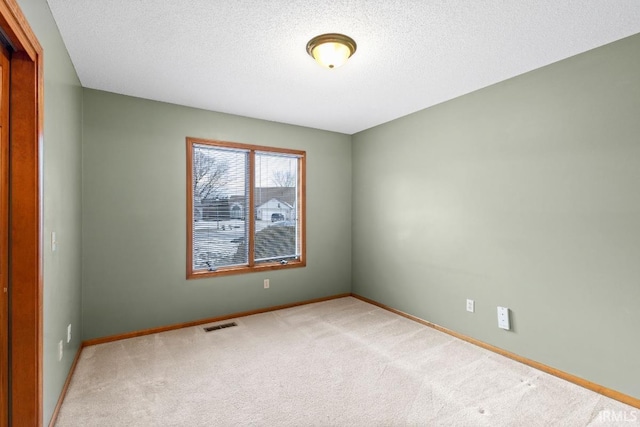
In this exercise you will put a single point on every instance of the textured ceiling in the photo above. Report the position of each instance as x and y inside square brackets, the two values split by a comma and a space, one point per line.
[248, 57]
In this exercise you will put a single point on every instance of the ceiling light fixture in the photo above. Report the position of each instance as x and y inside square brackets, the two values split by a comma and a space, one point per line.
[331, 50]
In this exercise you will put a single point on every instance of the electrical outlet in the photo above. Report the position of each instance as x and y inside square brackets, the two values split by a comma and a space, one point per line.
[503, 318]
[470, 306]
[69, 333]
[266, 283]
[60, 350]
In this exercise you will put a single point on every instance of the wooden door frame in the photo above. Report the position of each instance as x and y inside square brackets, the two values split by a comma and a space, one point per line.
[4, 233]
[25, 216]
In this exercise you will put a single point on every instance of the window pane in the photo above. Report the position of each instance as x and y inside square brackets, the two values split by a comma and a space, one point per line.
[220, 200]
[276, 207]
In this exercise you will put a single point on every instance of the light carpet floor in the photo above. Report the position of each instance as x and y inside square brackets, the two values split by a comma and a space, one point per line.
[337, 363]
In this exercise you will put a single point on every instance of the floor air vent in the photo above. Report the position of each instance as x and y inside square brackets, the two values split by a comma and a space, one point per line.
[217, 327]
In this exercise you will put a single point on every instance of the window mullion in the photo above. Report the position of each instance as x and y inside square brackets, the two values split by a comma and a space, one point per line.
[251, 216]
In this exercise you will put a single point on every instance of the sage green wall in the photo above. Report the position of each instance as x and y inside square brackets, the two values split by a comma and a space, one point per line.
[62, 201]
[134, 216]
[523, 194]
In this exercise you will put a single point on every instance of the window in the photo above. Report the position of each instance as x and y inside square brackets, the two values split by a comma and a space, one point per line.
[245, 208]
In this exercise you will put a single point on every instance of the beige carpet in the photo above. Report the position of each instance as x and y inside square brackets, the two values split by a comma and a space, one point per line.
[337, 363]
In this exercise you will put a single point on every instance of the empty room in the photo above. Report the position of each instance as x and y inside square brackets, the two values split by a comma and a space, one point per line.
[363, 213]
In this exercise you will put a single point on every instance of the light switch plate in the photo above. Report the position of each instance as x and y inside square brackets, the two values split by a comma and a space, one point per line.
[503, 318]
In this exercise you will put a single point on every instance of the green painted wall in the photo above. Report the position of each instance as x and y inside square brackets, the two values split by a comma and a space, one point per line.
[523, 194]
[134, 216]
[62, 201]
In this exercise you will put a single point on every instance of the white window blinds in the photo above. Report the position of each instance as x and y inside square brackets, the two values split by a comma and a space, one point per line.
[276, 205]
[247, 207]
[220, 201]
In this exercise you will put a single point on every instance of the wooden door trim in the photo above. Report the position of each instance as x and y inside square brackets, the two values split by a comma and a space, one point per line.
[17, 29]
[4, 226]
[25, 212]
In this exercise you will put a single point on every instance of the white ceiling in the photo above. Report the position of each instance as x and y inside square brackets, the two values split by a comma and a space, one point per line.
[248, 57]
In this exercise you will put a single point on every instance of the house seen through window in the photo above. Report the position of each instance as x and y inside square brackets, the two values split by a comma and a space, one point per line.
[245, 208]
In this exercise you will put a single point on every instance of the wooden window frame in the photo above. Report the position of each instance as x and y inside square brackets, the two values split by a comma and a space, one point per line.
[251, 266]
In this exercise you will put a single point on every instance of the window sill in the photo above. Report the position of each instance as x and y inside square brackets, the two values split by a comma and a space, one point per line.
[226, 271]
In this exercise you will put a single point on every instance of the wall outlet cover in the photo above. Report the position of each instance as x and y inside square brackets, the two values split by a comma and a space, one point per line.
[470, 305]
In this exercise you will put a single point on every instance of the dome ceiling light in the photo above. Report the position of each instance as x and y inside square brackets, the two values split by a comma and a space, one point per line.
[331, 50]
